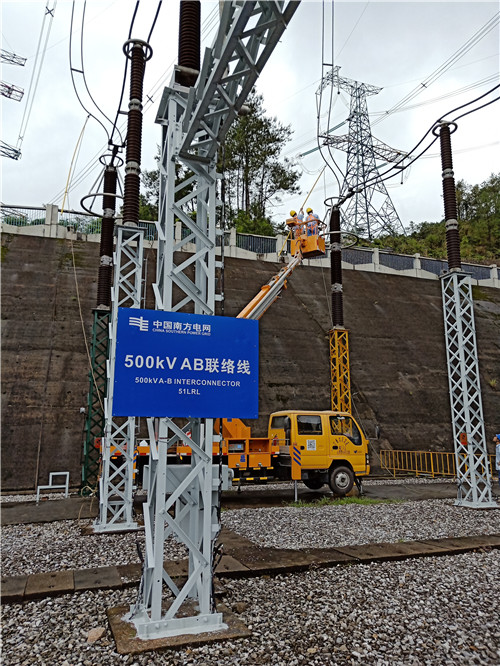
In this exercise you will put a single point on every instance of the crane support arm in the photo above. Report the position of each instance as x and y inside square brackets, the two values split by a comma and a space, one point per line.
[270, 291]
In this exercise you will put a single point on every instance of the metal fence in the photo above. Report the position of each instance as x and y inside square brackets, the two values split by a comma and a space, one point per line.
[422, 463]
[81, 222]
[257, 244]
[22, 216]
[87, 224]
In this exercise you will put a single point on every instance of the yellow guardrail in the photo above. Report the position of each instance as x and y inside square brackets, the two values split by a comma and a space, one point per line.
[423, 463]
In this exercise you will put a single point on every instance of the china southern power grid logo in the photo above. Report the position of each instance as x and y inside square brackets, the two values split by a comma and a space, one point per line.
[183, 328]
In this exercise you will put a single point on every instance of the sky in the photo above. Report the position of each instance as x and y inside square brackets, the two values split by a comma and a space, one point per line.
[397, 46]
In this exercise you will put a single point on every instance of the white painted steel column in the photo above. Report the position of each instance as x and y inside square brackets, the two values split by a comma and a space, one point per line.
[116, 481]
[471, 453]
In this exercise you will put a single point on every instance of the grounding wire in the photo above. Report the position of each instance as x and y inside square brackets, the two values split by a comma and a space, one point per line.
[319, 98]
[206, 28]
[83, 69]
[124, 82]
[465, 48]
[476, 109]
[330, 107]
[71, 69]
[91, 163]
[154, 21]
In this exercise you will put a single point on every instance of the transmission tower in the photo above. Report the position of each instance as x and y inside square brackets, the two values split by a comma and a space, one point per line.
[370, 211]
[11, 91]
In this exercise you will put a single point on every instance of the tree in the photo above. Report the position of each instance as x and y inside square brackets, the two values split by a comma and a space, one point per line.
[479, 226]
[149, 199]
[255, 176]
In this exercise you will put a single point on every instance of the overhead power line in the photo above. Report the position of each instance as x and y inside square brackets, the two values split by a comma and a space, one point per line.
[37, 68]
[465, 48]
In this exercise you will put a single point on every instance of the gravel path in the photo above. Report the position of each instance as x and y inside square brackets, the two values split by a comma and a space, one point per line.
[352, 524]
[429, 612]
[41, 547]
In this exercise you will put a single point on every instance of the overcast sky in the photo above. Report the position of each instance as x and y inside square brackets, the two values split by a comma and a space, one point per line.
[393, 45]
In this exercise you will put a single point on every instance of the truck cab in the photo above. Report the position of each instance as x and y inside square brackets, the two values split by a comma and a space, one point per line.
[318, 447]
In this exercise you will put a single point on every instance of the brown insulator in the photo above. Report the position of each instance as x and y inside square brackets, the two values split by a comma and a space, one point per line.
[108, 200]
[337, 309]
[132, 187]
[445, 141]
[336, 268]
[450, 200]
[189, 34]
[104, 280]
[105, 275]
[132, 181]
[107, 229]
[137, 67]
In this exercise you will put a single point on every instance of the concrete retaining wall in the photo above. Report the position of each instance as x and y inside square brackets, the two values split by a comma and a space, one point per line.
[398, 365]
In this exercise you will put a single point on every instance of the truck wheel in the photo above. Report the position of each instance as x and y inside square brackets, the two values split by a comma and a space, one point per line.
[313, 484]
[341, 480]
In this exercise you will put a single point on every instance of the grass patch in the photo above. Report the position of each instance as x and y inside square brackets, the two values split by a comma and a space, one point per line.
[340, 501]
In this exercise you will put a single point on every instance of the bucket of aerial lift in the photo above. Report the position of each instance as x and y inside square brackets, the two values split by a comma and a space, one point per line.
[309, 246]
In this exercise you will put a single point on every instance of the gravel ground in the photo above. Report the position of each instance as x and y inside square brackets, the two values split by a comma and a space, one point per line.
[41, 547]
[428, 611]
[352, 524]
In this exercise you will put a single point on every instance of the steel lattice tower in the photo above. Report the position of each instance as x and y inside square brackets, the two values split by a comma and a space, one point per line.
[195, 120]
[471, 452]
[370, 211]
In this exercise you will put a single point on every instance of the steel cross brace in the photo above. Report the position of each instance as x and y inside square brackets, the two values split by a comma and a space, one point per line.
[116, 482]
[471, 454]
[194, 123]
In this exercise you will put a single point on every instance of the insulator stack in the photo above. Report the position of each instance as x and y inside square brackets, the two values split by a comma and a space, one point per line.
[106, 250]
[336, 268]
[450, 200]
[138, 56]
[189, 43]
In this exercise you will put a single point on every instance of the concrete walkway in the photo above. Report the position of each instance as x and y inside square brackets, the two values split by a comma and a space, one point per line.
[242, 558]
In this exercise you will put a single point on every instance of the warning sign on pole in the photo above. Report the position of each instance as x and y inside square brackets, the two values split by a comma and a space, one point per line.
[175, 364]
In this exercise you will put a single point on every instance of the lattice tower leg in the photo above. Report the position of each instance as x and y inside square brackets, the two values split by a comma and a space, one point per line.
[94, 421]
[339, 370]
[116, 483]
[194, 124]
[191, 491]
[194, 487]
[473, 474]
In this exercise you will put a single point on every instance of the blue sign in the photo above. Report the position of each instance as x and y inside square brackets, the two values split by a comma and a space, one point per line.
[176, 364]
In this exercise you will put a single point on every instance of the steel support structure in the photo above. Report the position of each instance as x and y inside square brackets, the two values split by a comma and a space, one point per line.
[471, 454]
[194, 122]
[340, 377]
[370, 212]
[116, 482]
[340, 370]
[94, 419]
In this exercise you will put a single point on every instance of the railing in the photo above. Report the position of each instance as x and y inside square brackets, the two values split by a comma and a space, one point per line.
[373, 258]
[422, 463]
[257, 244]
[83, 223]
[22, 216]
